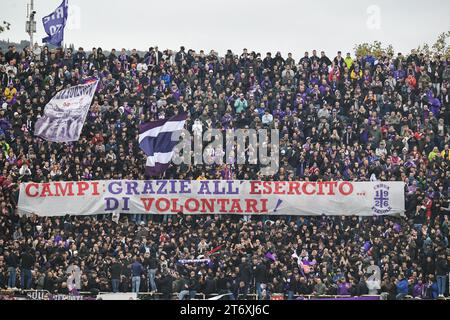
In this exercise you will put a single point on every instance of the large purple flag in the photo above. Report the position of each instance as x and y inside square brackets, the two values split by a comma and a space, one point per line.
[155, 139]
[65, 113]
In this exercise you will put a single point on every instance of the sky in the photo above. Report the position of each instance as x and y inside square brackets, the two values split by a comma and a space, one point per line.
[261, 25]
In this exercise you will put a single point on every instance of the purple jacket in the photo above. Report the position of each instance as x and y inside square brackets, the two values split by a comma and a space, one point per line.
[419, 290]
[343, 289]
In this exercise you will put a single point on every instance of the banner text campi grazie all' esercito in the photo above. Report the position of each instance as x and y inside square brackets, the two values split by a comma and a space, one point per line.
[212, 197]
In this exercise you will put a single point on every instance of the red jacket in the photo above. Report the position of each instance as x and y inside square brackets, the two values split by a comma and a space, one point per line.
[428, 205]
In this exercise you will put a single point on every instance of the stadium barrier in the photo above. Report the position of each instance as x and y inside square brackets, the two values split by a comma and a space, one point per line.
[86, 295]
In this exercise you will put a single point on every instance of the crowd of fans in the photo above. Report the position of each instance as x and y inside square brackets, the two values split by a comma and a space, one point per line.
[341, 118]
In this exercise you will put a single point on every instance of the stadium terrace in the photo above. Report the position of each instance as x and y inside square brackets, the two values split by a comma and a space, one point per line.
[344, 120]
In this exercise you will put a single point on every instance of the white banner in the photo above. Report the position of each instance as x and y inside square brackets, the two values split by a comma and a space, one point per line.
[212, 197]
[65, 113]
[118, 296]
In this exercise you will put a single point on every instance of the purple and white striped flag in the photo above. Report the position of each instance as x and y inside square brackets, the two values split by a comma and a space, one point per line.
[155, 139]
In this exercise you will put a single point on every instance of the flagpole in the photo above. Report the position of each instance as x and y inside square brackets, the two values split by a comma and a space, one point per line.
[66, 3]
[30, 25]
[32, 20]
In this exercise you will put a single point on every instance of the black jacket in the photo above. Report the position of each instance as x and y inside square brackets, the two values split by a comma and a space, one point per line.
[12, 260]
[211, 285]
[441, 267]
[303, 288]
[12, 55]
[221, 284]
[165, 284]
[362, 288]
[261, 273]
[153, 263]
[245, 272]
[193, 284]
[116, 270]
[26, 261]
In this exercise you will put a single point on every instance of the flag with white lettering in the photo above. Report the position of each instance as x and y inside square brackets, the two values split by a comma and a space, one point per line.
[65, 114]
[55, 23]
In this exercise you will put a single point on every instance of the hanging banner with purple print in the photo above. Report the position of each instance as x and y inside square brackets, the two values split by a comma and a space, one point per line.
[65, 113]
[55, 23]
[341, 198]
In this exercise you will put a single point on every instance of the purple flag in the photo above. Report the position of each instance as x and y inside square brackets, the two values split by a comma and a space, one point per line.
[155, 139]
[269, 255]
[55, 23]
[367, 246]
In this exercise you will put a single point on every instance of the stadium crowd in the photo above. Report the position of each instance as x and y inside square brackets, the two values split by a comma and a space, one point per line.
[341, 118]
